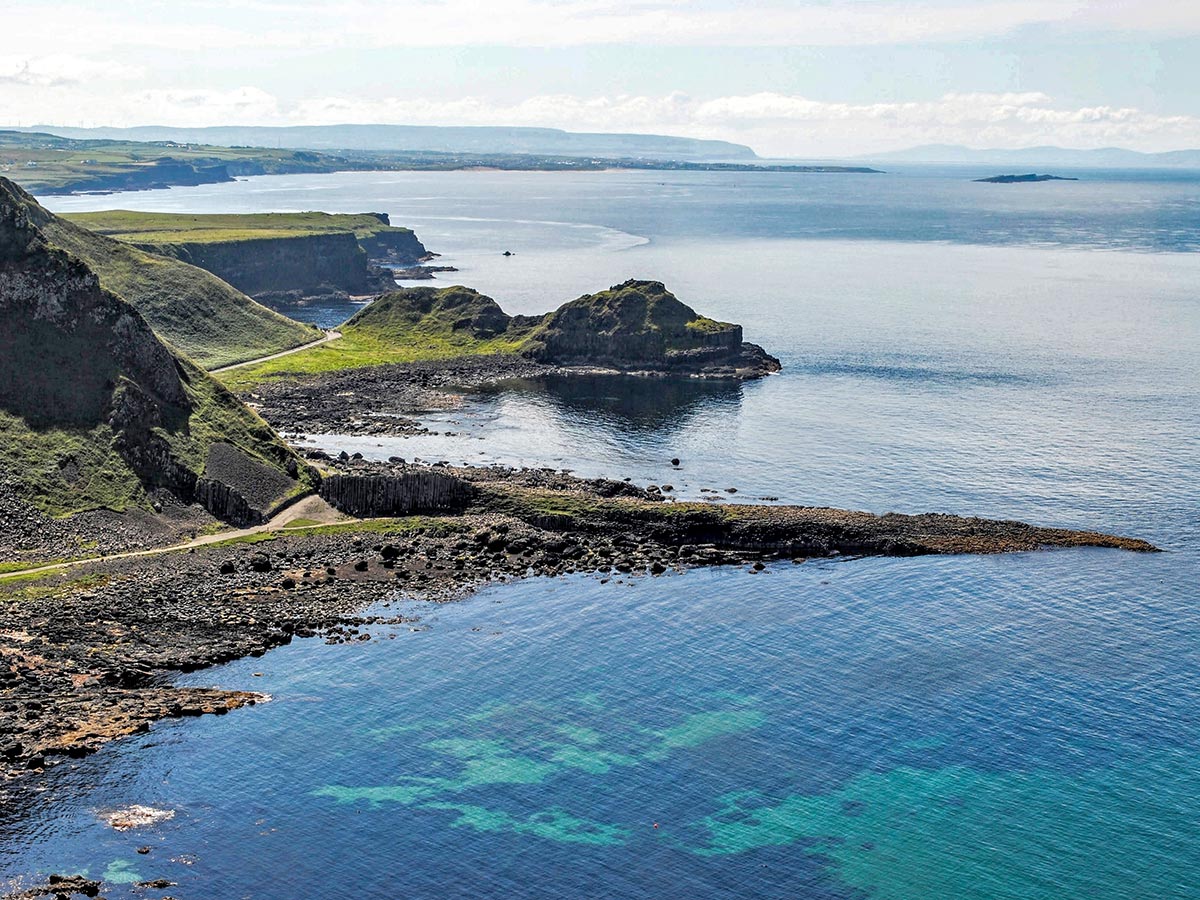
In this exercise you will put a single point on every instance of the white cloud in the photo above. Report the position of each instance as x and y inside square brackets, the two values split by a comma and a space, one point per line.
[775, 124]
[61, 70]
[785, 124]
[199, 107]
[222, 24]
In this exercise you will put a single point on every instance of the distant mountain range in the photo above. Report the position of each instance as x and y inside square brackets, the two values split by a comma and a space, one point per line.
[482, 139]
[1106, 157]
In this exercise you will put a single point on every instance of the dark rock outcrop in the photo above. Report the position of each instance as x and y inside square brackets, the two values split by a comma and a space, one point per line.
[396, 245]
[1022, 179]
[309, 263]
[641, 326]
[65, 337]
[419, 491]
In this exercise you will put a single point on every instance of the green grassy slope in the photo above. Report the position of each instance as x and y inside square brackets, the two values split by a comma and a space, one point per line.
[212, 322]
[95, 410]
[178, 228]
[404, 326]
[65, 467]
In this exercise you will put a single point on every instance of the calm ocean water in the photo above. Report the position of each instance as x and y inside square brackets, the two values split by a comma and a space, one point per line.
[1023, 726]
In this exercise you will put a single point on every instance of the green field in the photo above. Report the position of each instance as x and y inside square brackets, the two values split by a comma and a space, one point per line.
[394, 329]
[43, 163]
[184, 228]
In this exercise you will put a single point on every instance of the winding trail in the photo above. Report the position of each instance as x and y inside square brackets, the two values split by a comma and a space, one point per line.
[329, 336]
[311, 509]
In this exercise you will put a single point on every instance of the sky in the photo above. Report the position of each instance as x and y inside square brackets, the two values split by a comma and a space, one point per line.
[807, 78]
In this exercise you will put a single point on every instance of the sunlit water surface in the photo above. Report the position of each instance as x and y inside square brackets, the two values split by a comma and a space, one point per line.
[1022, 726]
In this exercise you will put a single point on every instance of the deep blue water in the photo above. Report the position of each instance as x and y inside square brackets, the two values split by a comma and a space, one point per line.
[1022, 726]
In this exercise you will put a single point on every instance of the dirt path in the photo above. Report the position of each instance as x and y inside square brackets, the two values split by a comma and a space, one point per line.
[311, 509]
[329, 336]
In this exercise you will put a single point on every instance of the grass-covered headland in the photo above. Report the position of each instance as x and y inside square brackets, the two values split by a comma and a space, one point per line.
[272, 255]
[635, 326]
[97, 412]
[199, 314]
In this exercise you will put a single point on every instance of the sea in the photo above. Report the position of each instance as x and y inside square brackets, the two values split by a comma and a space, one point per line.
[1013, 727]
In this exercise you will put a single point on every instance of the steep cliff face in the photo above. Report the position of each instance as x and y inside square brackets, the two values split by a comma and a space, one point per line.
[391, 244]
[67, 343]
[96, 412]
[640, 325]
[308, 264]
[297, 254]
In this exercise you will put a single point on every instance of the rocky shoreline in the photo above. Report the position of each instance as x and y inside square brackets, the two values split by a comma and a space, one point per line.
[385, 400]
[380, 400]
[88, 653]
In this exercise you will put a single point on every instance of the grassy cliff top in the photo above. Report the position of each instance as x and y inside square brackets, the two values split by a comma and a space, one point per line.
[44, 162]
[186, 228]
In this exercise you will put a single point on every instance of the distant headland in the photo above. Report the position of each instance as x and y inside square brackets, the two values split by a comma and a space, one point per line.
[47, 164]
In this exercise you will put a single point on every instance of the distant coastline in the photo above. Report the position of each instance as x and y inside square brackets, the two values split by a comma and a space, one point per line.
[49, 165]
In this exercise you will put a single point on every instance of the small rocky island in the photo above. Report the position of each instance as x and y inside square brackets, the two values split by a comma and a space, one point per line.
[1022, 179]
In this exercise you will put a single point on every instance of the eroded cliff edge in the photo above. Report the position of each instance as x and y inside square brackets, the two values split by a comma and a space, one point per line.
[273, 256]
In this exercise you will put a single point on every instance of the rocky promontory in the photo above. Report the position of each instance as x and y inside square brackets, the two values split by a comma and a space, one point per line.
[273, 255]
[636, 327]
[641, 326]
[87, 652]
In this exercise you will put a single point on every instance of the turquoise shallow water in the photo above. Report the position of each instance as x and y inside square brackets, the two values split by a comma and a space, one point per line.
[1013, 727]
[1007, 727]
